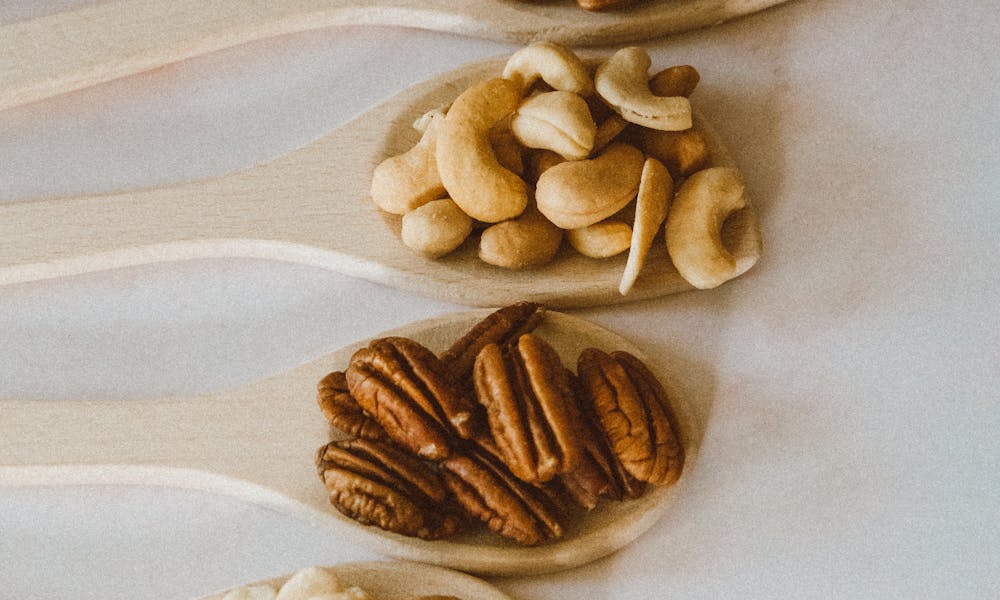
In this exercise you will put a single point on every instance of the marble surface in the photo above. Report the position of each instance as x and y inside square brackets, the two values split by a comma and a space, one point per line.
[848, 383]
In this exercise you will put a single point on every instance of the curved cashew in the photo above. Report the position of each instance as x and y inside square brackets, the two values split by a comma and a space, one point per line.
[651, 204]
[554, 64]
[601, 240]
[578, 193]
[522, 243]
[466, 162]
[694, 226]
[404, 182]
[557, 121]
[622, 81]
[436, 228]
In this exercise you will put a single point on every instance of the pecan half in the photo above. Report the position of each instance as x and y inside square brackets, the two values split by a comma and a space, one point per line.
[377, 484]
[503, 326]
[404, 387]
[342, 411]
[631, 406]
[507, 505]
[600, 474]
[530, 407]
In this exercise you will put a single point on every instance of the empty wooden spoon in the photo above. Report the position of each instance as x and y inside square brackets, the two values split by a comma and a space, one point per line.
[313, 207]
[70, 50]
[400, 580]
[258, 443]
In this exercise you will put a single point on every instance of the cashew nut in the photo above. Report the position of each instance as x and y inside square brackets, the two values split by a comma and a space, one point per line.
[651, 204]
[608, 130]
[436, 228]
[466, 162]
[528, 241]
[694, 226]
[622, 81]
[557, 121]
[404, 182]
[554, 64]
[578, 193]
[682, 152]
[423, 121]
[675, 81]
[601, 240]
[506, 148]
[539, 160]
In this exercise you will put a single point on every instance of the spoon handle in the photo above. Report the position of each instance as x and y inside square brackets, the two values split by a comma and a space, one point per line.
[310, 206]
[264, 433]
[74, 49]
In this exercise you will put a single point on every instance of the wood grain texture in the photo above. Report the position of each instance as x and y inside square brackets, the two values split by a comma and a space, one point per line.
[313, 207]
[71, 50]
[258, 443]
[401, 580]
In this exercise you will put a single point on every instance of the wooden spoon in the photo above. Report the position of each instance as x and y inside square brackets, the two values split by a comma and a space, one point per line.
[313, 207]
[258, 443]
[400, 580]
[70, 50]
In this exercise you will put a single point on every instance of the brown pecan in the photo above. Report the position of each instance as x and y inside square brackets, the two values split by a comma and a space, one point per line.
[342, 411]
[500, 327]
[404, 387]
[378, 484]
[600, 474]
[507, 505]
[530, 407]
[632, 408]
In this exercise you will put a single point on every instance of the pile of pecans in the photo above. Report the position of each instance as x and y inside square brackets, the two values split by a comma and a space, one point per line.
[496, 429]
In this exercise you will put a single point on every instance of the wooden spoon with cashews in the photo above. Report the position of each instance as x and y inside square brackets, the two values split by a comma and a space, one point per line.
[70, 50]
[258, 443]
[399, 580]
[313, 206]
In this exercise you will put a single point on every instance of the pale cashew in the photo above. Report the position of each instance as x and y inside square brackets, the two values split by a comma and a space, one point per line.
[436, 228]
[404, 182]
[601, 240]
[578, 193]
[656, 189]
[694, 226]
[554, 64]
[528, 241]
[466, 162]
[622, 81]
[557, 121]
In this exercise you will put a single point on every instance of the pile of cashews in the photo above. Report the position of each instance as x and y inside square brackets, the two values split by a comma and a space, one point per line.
[554, 149]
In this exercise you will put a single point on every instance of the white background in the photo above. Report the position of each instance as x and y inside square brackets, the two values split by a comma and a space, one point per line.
[849, 381]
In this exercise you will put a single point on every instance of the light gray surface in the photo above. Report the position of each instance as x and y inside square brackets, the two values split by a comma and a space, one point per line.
[850, 380]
